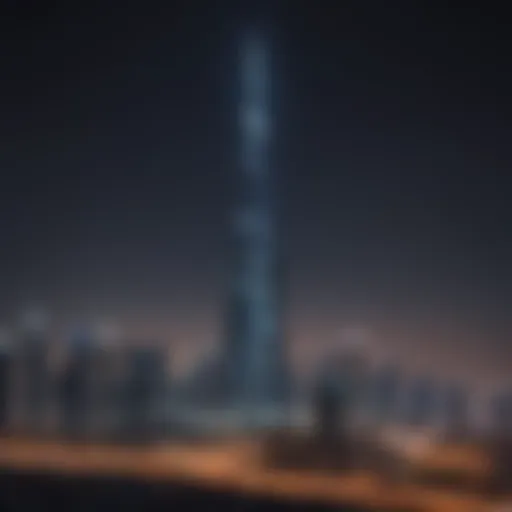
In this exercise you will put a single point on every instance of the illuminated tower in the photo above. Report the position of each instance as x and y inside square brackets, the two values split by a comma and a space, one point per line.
[254, 359]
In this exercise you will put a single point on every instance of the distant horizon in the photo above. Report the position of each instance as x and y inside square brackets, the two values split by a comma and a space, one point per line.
[305, 358]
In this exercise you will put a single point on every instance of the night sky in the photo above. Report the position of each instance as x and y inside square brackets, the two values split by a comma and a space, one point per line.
[392, 140]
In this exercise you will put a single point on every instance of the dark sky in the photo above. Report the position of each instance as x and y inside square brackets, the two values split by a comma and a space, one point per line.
[392, 134]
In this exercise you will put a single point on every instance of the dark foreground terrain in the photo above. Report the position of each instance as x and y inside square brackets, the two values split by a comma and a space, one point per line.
[41, 492]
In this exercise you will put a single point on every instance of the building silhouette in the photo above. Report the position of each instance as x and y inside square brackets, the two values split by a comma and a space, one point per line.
[501, 413]
[31, 375]
[384, 385]
[144, 391]
[76, 397]
[420, 402]
[455, 409]
[5, 378]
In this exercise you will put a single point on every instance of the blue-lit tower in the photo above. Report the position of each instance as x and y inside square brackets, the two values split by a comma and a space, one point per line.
[254, 359]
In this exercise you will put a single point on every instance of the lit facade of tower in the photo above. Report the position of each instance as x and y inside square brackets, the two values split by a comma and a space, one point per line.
[254, 358]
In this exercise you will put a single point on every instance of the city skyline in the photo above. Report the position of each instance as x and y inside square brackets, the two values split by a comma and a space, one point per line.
[117, 198]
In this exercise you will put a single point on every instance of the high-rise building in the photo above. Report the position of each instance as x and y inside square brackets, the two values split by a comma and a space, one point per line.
[76, 384]
[455, 409]
[353, 364]
[501, 413]
[330, 401]
[384, 385]
[249, 371]
[5, 377]
[108, 366]
[144, 391]
[32, 375]
[420, 403]
[254, 362]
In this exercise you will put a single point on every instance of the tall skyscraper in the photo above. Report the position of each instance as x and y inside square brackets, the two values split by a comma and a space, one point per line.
[249, 370]
[254, 360]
